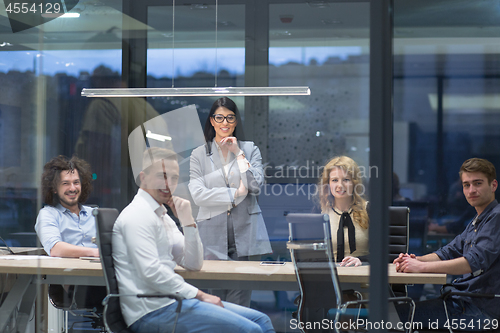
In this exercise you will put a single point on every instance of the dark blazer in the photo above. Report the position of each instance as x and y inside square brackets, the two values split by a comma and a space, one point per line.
[214, 197]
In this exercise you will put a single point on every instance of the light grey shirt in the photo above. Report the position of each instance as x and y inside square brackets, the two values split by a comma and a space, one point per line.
[146, 248]
[58, 224]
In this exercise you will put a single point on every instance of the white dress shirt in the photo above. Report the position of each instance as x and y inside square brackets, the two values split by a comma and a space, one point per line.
[146, 248]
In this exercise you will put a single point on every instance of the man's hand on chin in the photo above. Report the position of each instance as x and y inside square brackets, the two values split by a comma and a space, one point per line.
[183, 210]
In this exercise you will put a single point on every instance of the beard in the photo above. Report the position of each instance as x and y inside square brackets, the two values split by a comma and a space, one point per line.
[71, 202]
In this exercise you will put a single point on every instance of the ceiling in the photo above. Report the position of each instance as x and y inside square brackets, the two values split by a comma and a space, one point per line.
[423, 26]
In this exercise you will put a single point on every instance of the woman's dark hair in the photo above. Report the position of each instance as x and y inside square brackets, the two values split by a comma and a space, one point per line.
[227, 103]
[52, 176]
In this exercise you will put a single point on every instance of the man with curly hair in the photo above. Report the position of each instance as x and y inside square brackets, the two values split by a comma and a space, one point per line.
[65, 226]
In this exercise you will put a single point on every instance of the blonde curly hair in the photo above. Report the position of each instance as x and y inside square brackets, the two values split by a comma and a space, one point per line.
[326, 199]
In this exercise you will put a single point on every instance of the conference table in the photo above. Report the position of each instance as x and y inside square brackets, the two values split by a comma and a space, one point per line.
[214, 274]
[252, 275]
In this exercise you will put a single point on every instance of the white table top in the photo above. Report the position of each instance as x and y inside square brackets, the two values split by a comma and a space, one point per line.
[212, 270]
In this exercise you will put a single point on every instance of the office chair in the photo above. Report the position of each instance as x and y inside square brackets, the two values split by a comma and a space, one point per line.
[399, 222]
[113, 319]
[418, 224]
[73, 301]
[448, 293]
[312, 255]
[80, 301]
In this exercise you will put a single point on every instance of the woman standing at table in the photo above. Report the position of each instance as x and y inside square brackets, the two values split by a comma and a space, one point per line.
[340, 195]
[225, 179]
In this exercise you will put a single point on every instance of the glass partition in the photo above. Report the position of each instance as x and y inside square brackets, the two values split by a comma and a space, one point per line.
[45, 63]
[110, 44]
[445, 82]
[313, 44]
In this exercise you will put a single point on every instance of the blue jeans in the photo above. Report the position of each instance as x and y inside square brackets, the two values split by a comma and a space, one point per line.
[463, 316]
[198, 316]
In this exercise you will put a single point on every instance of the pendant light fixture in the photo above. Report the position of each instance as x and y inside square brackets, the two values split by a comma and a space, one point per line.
[202, 91]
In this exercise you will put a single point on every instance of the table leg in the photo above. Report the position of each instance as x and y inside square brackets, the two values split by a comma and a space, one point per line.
[41, 309]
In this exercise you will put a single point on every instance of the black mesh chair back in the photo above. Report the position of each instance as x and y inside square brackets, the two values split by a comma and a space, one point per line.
[399, 222]
[399, 219]
[418, 225]
[105, 220]
[312, 255]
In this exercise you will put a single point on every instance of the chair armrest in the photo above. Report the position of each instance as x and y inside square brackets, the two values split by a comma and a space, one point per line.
[442, 291]
[176, 297]
[306, 246]
[468, 294]
[344, 306]
[352, 292]
[390, 299]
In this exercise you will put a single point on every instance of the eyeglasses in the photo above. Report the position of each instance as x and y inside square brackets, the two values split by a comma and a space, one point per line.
[231, 118]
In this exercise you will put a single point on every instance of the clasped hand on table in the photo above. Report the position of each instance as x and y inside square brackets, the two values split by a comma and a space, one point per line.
[407, 263]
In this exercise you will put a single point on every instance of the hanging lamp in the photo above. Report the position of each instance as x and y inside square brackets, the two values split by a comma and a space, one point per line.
[202, 91]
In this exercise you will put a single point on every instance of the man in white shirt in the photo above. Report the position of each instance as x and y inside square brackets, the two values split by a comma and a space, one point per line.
[146, 248]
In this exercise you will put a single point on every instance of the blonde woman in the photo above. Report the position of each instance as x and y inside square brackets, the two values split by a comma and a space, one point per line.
[341, 197]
